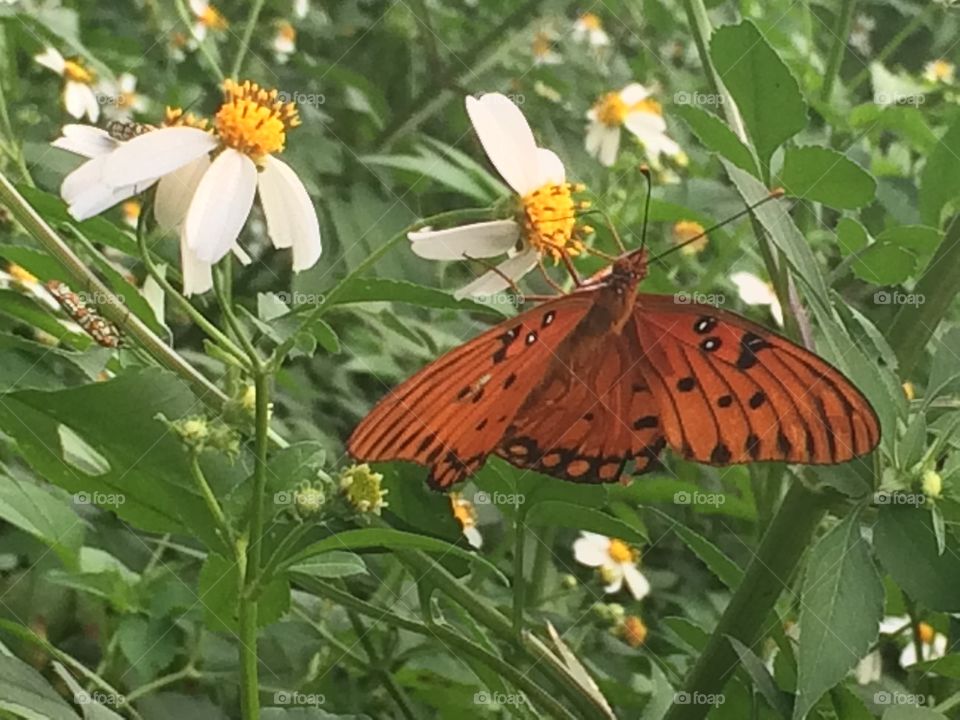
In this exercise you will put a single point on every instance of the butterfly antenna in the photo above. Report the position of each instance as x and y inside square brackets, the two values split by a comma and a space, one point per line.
[645, 171]
[774, 194]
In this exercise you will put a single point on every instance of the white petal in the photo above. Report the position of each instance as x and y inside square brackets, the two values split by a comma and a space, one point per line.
[637, 583]
[156, 153]
[221, 205]
[176, 190]
[87, 195]
[478, 240]
[550, 168]
[240, 254]
[490, 282]
[75, 99]
[52, 59]
[291, 217]
[587, 551]
[753, 290]
[908, 656]
[938, 648]
[596, 131]
[777, 311]
[199, 31]
[199, 6]
[615, 573]
[507, 139]
[85, 140]
[869, 669]
[634, 93]
[127, 83]
[610, 147]
[894, 624]
[197, 275]
[91, 102]
[645, 124]
[473, 537]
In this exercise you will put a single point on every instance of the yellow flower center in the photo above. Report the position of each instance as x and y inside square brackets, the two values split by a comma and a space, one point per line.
[549, 219]
[463, 511]
[941, 70]
[286, 31]
[211, 18]
[131, 210]
[909, 391]
[619, 551]
[175, 117]
[541, 45]
[22, 275]
[361, 486]
[590, 21]
[684, 232]
[75, 71]
[926, 633]
[253, 121]
[612, 110]
[633, 631]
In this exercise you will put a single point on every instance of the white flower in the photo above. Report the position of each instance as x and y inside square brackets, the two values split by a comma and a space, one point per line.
[615, 559]
[466, 514]
[588, 27]
[869, 669]
[633, 108]
[125, 99]
[208, 18]
[754, 291]
[933, 644]
[859, 40]
[545, 221]
[940, 71]
[285, 40]
[543, 49]
[250, 127]
[301, 8]
[78, 95]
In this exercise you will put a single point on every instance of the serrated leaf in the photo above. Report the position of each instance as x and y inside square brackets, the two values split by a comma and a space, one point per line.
[823, 175]
[842, 605]
[852, 237]
[765, 91]
[940, 181]
[39, 512]
[555, 513]
[717, 137]
[25, 693]
[762, 680]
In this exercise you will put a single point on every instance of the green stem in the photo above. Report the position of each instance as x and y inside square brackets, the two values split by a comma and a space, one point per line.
[541, 563]
[248, 29]
[187, 673]
[223, 291]
[213, 505]
[202, 46]
[841, 32]
[454, 639]
[777, 559]
[15, 149]
[519, 579]
[382, 671]
[895, 42]
[112, 308]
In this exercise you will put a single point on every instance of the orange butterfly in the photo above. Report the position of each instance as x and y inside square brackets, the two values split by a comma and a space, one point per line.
[587, 381]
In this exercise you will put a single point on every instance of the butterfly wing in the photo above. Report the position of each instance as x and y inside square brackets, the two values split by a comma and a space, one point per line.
[453, 413]
[592, 412]
[731, 391]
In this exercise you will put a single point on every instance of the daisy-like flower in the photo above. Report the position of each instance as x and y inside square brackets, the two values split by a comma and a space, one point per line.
[863, 26]
[466, 514]
[933, 644]
[126, 99]
[361, 487]
[685, 231]
[940, 71]
[78, 94]
[214, 198]
[543, 49]
[131, 212]
[208, 18]
[754, 291]
[545, 222]
[634, 109]
[285, 40]
[589, 28]
[617, 563]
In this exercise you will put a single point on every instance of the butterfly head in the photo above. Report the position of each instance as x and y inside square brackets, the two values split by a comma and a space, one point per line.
[628, 271]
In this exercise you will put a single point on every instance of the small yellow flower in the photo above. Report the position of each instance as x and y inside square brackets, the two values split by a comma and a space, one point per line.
[131, 212]
[940, 71]
[309, 501]
[909, 390]
[616, 562]
[685, 231]
[635, 109]
[78, 95]
[361, 486]
[589, 27]
[22, 275]
[932, 484]
[633, 631]
[466, 514]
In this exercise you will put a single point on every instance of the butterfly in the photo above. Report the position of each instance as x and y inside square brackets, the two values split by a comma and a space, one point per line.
[585, 383]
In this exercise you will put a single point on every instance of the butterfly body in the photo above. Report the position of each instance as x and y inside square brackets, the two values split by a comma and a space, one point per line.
[583, 384]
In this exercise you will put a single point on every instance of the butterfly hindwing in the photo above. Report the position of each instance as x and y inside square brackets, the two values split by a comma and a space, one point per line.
[453, 413]
[731, 391]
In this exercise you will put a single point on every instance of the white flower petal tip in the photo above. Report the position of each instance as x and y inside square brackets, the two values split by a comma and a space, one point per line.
[155, 154]
[637, 583]
[220, 206]
[51, 59]
[506, 138]
[478, 240]
[85, 140]
[492, 282]
[590, 549]
[291, 217]
[176, 190]
[473, 537]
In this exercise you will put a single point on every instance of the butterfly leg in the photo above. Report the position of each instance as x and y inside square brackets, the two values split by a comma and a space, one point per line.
[497, 271]
[546, 276]
[568, 263]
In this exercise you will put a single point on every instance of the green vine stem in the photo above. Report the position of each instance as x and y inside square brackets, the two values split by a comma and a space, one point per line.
[248, 29]
[112, 308]
[841, 32]
[202, 46]
[213, 505]
[788, 536]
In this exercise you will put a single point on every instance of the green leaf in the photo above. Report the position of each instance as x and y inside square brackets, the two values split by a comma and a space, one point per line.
[437, 168]
[765, 91]
[366, 289]
[848, 705]
[842, 605]
[823, 175]
[764, 682]
[910, 712]
[852, 237]
[555, 513]
[44, 515]
[219, 590]
[25, 693]
[54, 211]
[717, 137]
[898, 253]
[332, 564]
[906, 546]
[725, 569]
[940, 181]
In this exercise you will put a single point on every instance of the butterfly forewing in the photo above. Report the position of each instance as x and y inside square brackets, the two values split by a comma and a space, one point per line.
[731, 391]
[454, 412]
